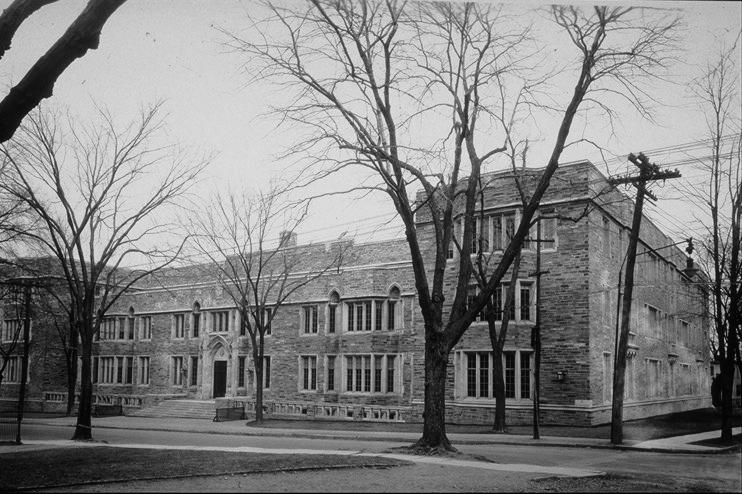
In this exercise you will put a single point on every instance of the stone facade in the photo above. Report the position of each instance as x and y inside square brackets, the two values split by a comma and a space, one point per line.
[149, 349]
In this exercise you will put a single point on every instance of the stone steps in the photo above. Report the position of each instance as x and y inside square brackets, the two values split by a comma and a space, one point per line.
[191, 409]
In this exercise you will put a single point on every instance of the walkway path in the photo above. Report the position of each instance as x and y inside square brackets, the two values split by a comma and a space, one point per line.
[506, 467]
[674, 444]
[684, 442]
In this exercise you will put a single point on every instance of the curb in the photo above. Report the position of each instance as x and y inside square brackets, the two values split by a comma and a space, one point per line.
[309, 435]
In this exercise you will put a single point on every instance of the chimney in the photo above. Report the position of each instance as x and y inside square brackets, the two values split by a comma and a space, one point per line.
[287, 239]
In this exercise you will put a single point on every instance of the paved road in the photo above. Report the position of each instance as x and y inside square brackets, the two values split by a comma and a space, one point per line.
[510, 460]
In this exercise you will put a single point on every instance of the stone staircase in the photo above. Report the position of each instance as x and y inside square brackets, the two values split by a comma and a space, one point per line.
[190, 409]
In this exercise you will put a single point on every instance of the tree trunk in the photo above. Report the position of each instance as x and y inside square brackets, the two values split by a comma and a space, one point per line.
[727, 386]
[434, 415]
[83, 429]
[257, 358]
[71, 371]
[498, 386]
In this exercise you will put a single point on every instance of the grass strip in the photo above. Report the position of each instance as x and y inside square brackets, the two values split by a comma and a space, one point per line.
[61, 467]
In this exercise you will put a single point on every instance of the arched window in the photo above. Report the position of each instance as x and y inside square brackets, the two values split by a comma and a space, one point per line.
[130, 324]
[332, 311]
[394, 312]
[196, 319]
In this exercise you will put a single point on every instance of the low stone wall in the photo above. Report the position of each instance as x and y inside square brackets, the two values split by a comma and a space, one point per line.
[326, 411]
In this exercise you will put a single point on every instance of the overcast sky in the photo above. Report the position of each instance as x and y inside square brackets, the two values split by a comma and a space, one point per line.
[171, 50]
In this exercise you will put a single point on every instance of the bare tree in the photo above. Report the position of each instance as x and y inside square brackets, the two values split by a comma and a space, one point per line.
[718, 197]
[362, 81]
[10, 325]
[38, 83]
[236, 233]
[95, 191]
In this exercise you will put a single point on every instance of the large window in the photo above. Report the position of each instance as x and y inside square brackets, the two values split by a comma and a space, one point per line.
[330, 373]
[107, 330]
[371, 373]
[653, 323]
[13, 370]
[177, 371]
[375, 314]
[522, 309]
[107, 374]
[12, 330]
[113, 370]
[179, 326]
[129, 369]
[145, 327]
[220, 321]
[308, 373]
[503, 229]
[478, 374]
[309, 319]
[144, 371]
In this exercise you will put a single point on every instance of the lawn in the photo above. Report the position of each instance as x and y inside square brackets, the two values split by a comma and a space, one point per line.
[89, 465]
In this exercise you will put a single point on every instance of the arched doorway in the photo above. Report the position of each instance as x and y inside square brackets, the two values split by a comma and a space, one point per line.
[216, 369]
[220, 378]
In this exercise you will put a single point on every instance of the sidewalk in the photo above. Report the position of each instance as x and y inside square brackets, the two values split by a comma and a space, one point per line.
[676, 444]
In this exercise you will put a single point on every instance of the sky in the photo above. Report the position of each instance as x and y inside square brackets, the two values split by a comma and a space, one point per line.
[173, 50]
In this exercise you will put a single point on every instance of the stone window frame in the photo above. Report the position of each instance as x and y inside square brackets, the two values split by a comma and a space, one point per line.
[309, 327]
[501, 215]
[140, 367]
[197, 318]
[144, 328]
[178, 379]
[113, 374]
[312, 376]
[462, 389]
[370, 313]
[178, 321]
[516, 312]
[326, 376]
[334, 303]
[266, 371]
[9, 335]
[193, 371]
[216, 318]
[241, 371]
[14, 370]
[368, 376]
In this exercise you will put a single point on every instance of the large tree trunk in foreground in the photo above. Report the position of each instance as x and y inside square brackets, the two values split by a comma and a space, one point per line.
[71, 379]
[83, 428]
[434, 415]
[258, 365]
[498, 385]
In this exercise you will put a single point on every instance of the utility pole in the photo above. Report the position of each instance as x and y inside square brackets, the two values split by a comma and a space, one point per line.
[536, 332]
[648, 172]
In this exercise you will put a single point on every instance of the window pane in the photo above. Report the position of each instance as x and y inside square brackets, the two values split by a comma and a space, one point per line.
[484, 370]
[525, 375]
[471, 374]
[509, 374]
[390, 373]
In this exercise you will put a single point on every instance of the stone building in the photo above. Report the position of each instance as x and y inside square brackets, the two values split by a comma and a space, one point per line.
[349, 345]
